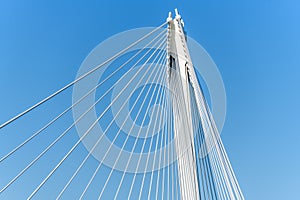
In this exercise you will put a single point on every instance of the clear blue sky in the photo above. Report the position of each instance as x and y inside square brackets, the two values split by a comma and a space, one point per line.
[255, 44]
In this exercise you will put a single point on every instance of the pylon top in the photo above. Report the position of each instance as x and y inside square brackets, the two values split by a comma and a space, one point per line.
[177, 16]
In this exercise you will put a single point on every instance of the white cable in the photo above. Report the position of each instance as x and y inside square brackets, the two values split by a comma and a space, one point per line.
[123, 174]
[116, 134]
[65, 111]
[81, 77]
[118, 158]
[156, 147]
[143, 178]
[99, 138]
[57, 139]
[159, 168]
[72, 149]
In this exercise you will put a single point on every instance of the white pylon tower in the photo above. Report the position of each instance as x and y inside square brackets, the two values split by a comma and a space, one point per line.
[179, 62]
[188, 103]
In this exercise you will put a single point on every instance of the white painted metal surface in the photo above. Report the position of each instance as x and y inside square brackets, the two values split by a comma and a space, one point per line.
[179, 60]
